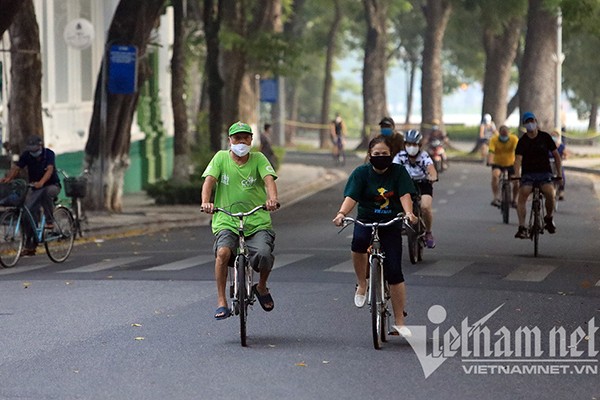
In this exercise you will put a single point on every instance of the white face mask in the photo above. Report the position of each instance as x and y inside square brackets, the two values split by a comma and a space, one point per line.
[530, 126]
[412, 150]
[240, 149]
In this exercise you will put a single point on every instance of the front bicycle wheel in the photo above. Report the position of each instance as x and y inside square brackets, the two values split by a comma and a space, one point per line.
[535, 227]
[505, 206]
[376, 297]
[242, 297]
[59, 241]
[12, 239]
[413, 244]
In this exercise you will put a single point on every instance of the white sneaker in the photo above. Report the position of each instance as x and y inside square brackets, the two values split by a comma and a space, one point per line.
[403, 331]
[359, 299]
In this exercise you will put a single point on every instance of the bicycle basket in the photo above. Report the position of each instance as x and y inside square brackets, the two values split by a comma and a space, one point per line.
[75, 186]
[12, 194]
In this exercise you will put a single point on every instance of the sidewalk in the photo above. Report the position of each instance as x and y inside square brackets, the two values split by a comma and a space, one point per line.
[140, 214]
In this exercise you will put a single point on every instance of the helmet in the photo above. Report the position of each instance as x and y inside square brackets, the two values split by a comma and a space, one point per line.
[487, 118]
[239, 127]
[413, 136]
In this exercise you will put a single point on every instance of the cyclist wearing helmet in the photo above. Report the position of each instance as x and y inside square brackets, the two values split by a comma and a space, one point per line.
[420, 168]
[242, 180]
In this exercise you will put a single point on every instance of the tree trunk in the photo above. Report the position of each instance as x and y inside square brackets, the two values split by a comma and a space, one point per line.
[412, 66]
[212, 25]
[537, 76]
[500, 50]
[593, 121]
[328, 82]
[437, 14]
[181, 140]
[293, 28]
[233, 60]
[132, 24]
[25, 98]
[375, 66]
[8, 11]
[512, 104]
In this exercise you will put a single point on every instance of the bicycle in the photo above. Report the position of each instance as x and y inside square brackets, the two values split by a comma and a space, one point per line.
[416, 234]
[379, 293]
[18, 221]
[242, 279]
[536, 216]
[505, 199]
[76, 189]
[340, 157]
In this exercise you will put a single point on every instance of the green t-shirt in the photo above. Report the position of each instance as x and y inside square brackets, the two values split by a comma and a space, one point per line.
[240, 188]
[378, 195]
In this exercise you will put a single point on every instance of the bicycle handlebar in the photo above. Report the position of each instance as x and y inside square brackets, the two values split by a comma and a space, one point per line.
[241, 214]
[399, 217]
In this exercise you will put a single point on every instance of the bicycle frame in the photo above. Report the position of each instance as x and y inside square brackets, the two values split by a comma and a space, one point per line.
[378, 286]
[242, 278]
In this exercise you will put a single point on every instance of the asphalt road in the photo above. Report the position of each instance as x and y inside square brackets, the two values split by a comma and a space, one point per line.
[131, 318]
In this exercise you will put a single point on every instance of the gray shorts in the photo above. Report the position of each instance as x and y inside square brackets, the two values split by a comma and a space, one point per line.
[260, 246]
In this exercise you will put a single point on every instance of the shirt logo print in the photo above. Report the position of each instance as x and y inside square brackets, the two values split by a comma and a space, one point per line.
[225, 179]
[249, 182]
[382, 195]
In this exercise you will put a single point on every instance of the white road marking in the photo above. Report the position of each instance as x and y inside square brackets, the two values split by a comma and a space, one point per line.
[530, 273]
[345, 266]
[442, 268]
[106, 264]
[183, 264]
[281, 260]
[16, 269]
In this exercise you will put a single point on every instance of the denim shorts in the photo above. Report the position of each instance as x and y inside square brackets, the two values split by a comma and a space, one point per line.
[391, 243]
[260, 246]
[536, 177]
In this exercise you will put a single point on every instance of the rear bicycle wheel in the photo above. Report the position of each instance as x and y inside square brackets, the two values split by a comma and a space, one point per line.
[242, 297]
[59, 241]
[11, 239]
[505, 206]
[376, 297]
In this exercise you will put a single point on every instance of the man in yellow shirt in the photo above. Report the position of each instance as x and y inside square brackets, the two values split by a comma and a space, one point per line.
[501, 156]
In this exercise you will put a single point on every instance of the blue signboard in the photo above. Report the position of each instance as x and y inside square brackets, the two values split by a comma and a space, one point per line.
[122, 70]
[268, 90]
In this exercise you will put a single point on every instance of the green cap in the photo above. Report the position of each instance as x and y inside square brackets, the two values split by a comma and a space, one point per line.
[239, 127]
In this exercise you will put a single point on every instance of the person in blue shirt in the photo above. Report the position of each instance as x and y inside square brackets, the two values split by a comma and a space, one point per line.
[41, 170]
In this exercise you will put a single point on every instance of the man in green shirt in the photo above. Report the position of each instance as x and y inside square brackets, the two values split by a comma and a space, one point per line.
[242, 180]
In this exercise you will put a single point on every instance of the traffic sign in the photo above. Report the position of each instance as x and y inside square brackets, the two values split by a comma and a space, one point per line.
[122, 69]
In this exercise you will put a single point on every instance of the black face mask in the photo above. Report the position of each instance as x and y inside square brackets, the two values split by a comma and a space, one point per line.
[381, 162]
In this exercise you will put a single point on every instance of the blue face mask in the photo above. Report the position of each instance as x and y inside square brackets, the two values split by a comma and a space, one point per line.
[36, 153]
[387, 131]
[503, 139]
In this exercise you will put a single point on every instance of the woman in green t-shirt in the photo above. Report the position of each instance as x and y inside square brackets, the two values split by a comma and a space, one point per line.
[381, 190]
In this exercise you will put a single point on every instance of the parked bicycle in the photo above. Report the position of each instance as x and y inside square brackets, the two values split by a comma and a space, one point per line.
[379, 293]
[242, 278]
[17, 222]
[76, 189]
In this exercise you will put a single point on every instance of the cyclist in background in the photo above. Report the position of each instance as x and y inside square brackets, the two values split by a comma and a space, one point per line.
[41, 170]
[338, 138]
[487, 129]
[420, 167]
[387, 128]
[501, 157]
[382, 190]
[242, 180]
[532, 162]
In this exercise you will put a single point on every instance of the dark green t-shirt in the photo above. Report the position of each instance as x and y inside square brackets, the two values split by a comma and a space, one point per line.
[378, 195]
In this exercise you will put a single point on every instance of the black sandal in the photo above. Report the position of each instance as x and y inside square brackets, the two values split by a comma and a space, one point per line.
[263, 299]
